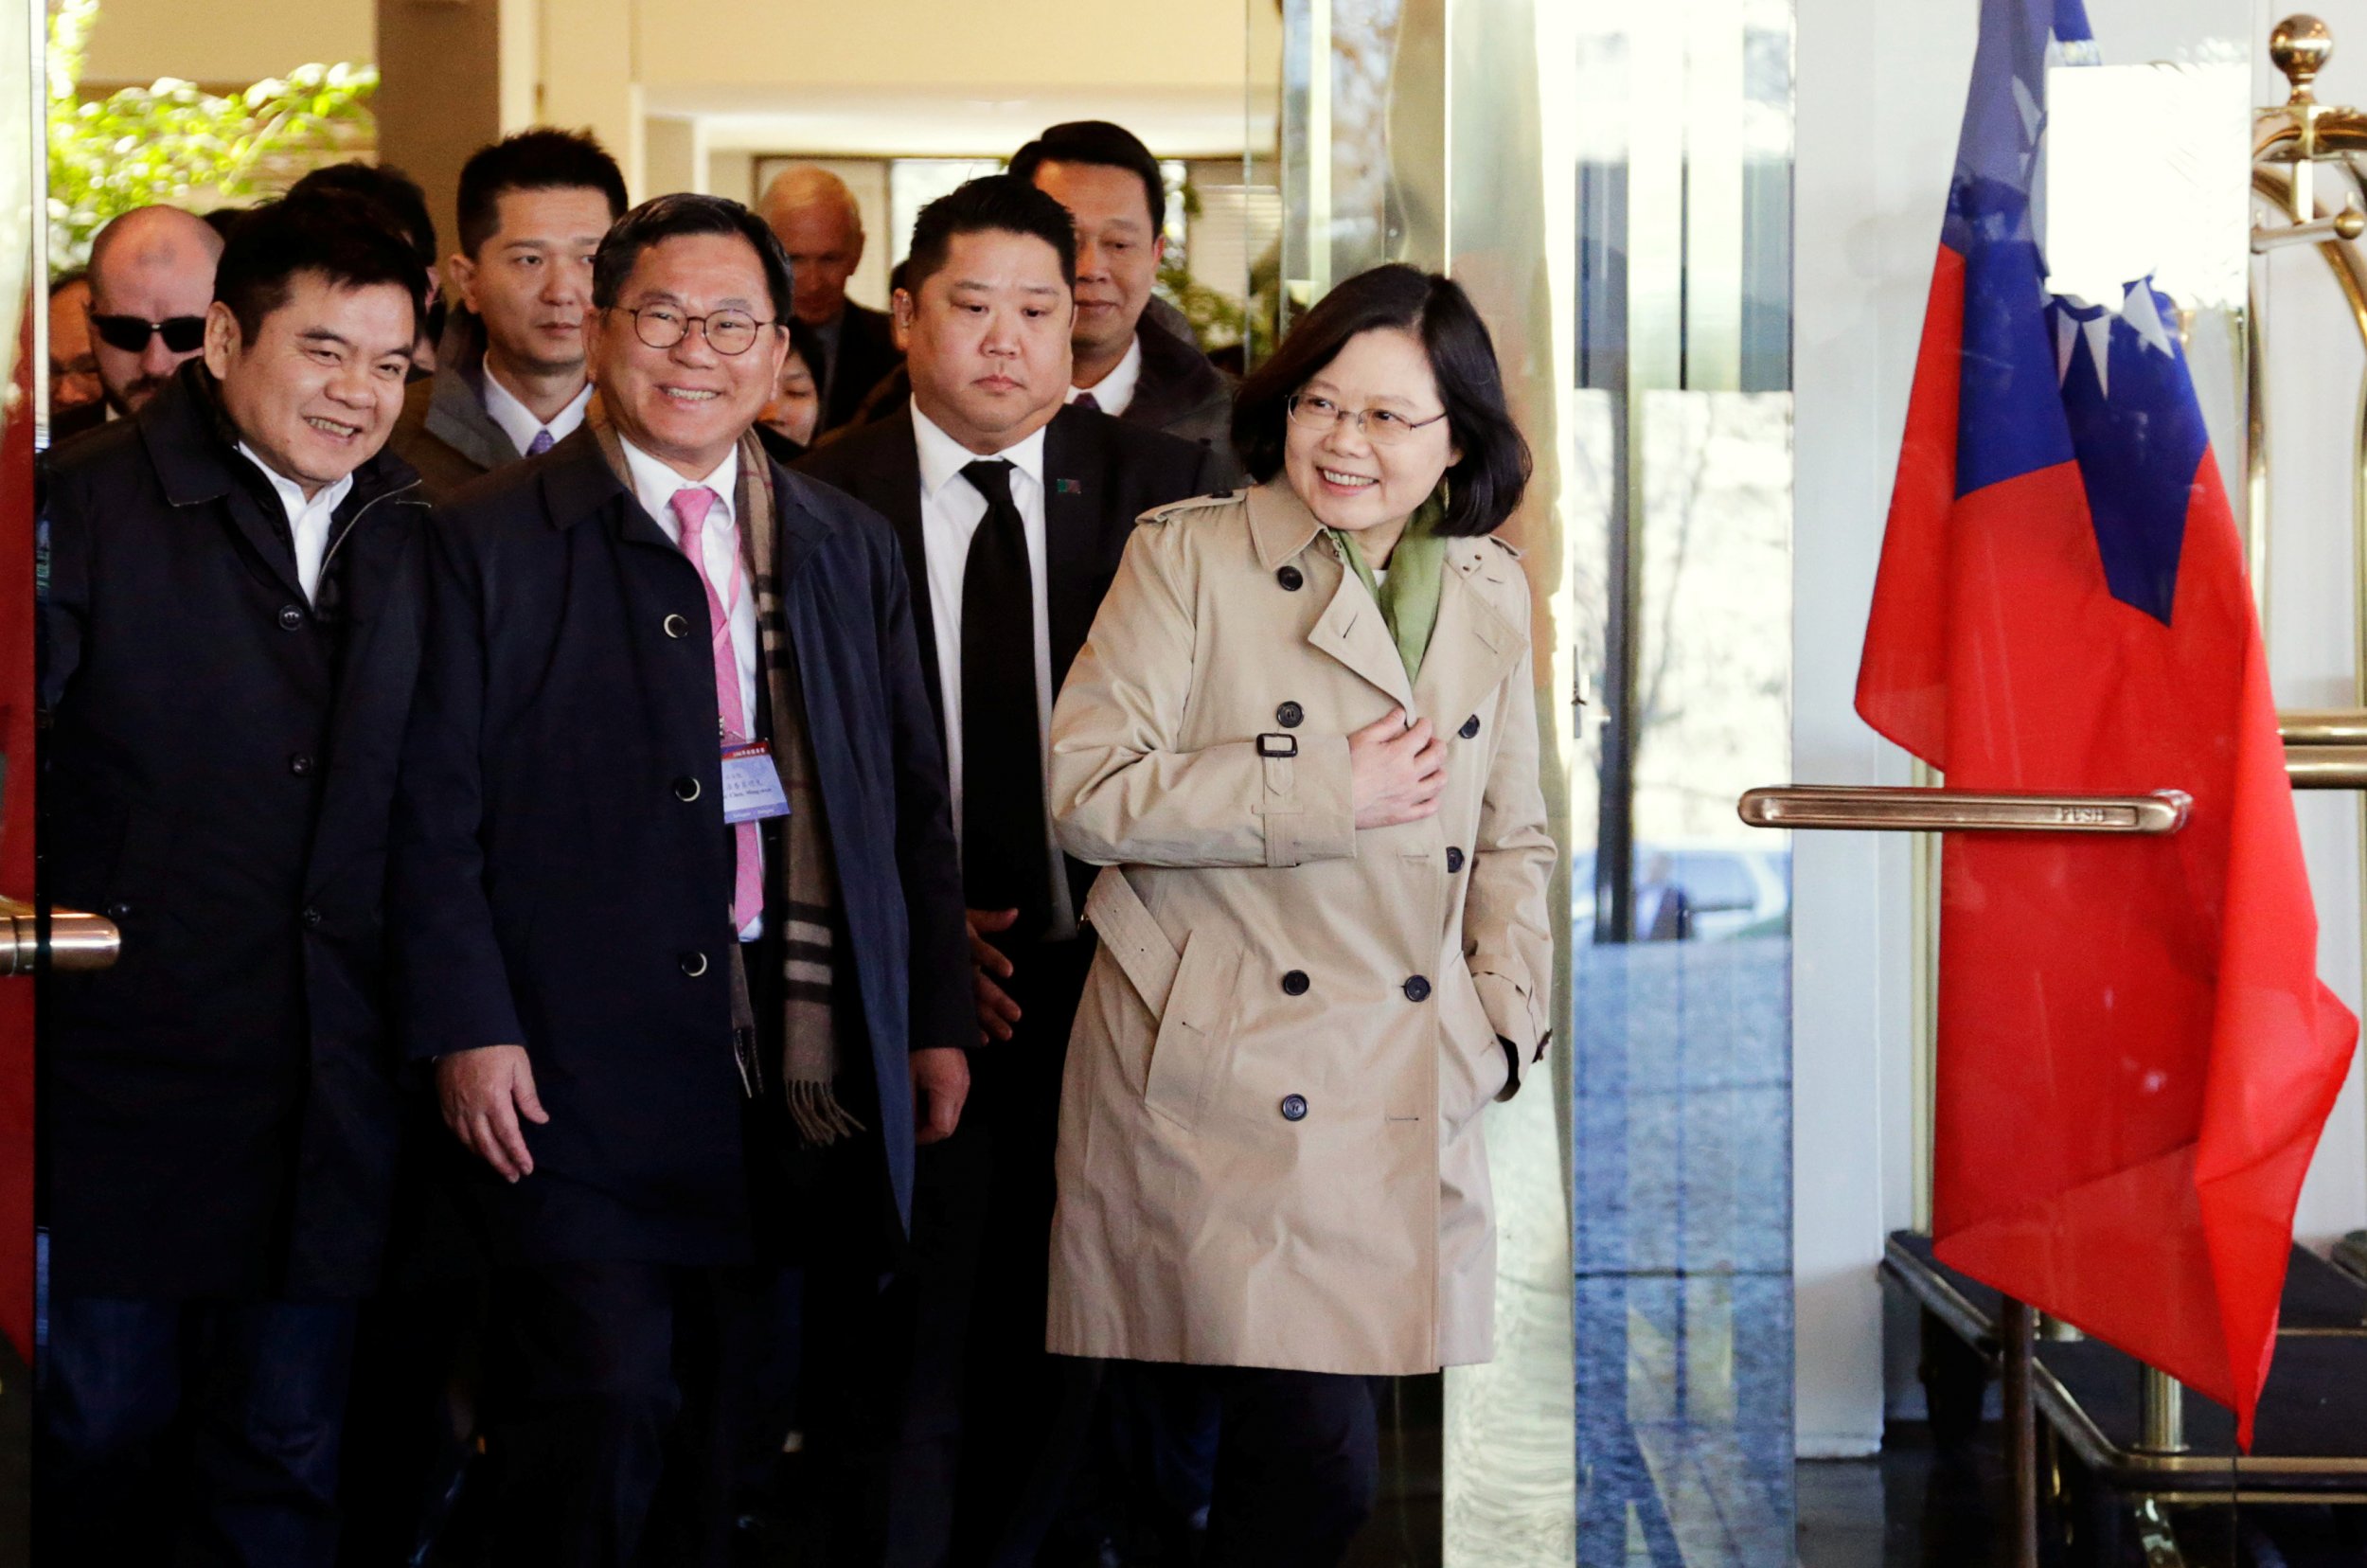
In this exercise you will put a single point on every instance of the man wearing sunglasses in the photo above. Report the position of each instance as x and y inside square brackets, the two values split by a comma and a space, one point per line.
[152, 276]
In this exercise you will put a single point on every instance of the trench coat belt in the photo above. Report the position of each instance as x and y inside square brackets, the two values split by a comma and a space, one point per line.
[1128, 932]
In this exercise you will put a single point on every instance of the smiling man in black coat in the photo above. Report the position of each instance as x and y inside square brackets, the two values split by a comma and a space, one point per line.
[230, 637]
[639, 1007]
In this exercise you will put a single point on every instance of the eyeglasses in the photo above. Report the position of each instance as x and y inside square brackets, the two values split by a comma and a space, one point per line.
[182, 334]
[1379, 425]
[726, 332]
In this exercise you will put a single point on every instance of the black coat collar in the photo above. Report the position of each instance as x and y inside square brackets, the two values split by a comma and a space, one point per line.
[577, 484]
[1176, 377]
[194, 447]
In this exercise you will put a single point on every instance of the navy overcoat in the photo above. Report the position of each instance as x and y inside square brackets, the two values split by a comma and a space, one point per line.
[560, 883]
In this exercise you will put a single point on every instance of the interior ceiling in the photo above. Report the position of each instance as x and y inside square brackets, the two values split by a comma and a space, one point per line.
[979, 123]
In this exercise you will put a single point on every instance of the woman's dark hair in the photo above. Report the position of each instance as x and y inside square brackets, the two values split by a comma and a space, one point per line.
[1486, 485]
[1001, 204]
[542, 158]
[1102, 143]
[670, 217]
[337, 236]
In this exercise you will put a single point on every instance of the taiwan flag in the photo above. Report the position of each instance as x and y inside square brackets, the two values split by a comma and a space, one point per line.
[2135, 1055]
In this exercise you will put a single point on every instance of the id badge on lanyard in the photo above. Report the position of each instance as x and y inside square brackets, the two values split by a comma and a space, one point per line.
[752, 786]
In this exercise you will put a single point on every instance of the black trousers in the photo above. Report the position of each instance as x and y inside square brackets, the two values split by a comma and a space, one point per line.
[189, 1433]
[622, 1404]
[1026, 1414]
[951, 1435]
[1297, 1462]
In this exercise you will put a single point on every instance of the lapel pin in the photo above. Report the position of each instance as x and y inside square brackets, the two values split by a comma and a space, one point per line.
[1067, 487]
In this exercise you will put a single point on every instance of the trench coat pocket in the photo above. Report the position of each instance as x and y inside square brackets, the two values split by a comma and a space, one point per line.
[1190, 993]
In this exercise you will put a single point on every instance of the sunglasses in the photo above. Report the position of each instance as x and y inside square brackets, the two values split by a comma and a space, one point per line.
[182, 334]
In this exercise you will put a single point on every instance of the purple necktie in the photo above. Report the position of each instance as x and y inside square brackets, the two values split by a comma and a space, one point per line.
[1085, 400]
[690, 506]
[541, 444]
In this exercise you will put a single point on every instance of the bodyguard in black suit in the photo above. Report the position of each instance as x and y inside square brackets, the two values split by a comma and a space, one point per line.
[1013, 510]
[617, 984]
[231, 635]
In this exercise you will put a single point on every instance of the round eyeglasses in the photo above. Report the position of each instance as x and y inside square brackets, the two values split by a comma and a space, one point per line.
[1380, 427]
[726, 332]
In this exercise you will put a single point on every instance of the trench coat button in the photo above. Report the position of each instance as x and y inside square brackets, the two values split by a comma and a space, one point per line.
[677, 627]
[311, 917]
[1290, 715]
[1454, 859]
[1294, 983]
[1471, 728]
[117, 912]
[686, 788]
[1295, 1108]
[300, 764]
[1292, 579]
[290, 617]
[694, 963]
[1417, 990]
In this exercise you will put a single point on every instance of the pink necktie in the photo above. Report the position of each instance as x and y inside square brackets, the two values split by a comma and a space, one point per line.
[691, 509]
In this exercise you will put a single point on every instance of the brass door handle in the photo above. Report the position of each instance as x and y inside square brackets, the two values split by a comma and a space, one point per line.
[1925, 810]
[77, 941]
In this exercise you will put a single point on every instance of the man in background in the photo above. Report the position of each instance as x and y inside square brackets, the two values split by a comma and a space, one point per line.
[511, 381]
[151, 279]
[814, 215]
[229, 640]
[1128, 363]
[77, 400]
[1013, 509]
[403, 205]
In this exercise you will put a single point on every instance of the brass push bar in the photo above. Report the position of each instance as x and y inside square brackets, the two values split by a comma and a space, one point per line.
[1924, 810]
[77, 941]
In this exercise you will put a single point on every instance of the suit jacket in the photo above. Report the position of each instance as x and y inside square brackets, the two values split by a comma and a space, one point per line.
[1183, 395]
[219, 1112]
[1100, 474]
[563, 876]
[445, 432]
[866, 355]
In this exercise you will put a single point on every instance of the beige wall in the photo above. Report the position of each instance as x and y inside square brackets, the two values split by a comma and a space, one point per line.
[1013, 47]
[1003, 47]
[227, 42]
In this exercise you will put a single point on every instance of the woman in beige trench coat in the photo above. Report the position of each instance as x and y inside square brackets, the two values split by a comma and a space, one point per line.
[1302, 737]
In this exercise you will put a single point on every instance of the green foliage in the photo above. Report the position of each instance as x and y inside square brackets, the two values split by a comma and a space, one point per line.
[1217, 321]
[173, 143]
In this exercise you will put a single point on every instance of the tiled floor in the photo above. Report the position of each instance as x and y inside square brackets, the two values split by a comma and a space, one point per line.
[1682, 1252]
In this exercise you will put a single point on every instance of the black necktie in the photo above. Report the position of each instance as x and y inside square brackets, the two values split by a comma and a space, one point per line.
[1006, 855]
[1086, 400]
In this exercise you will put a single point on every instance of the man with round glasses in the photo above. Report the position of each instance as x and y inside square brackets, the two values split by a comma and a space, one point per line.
[677, 895]
[152, 276]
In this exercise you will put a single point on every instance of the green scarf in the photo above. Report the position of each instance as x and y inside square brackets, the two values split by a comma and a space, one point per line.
[1409, 600]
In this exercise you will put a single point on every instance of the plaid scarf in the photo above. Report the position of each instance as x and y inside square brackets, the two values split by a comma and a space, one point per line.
[806, 880]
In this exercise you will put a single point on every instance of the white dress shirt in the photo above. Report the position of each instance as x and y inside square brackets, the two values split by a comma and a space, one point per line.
[950, 510]
[1114, 392]
[653, 486]
[519, 423]
[307, 520]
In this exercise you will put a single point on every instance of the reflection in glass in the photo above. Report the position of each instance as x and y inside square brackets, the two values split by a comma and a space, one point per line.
[1679, 519]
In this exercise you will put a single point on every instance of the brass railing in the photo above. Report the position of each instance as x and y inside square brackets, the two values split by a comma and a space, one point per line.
[77, 941]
